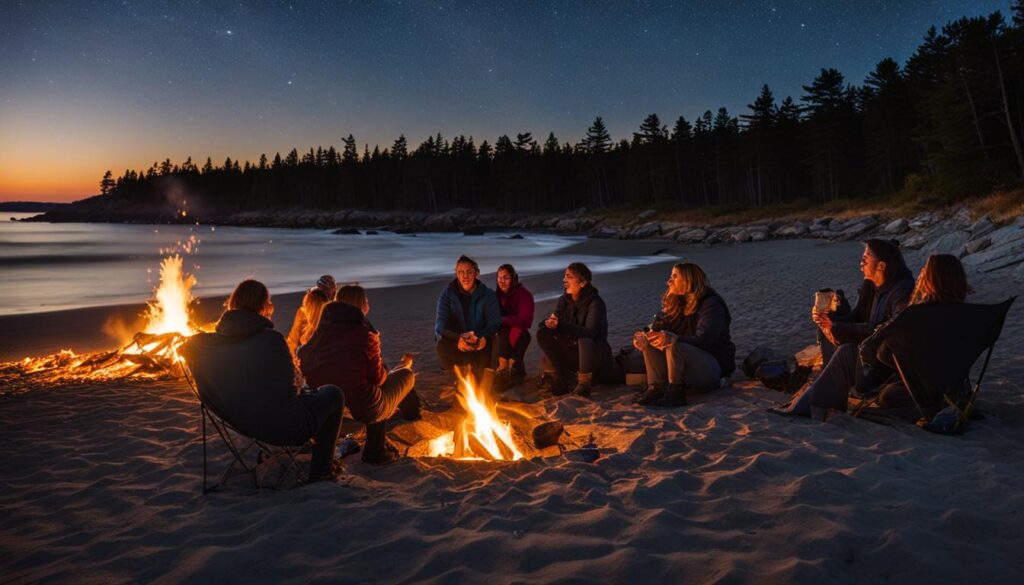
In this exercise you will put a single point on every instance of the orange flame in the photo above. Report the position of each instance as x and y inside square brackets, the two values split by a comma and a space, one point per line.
[481, 435]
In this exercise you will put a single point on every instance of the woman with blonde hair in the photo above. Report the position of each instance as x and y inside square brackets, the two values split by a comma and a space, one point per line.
[942, 280]
[312, 307]
[687, 347]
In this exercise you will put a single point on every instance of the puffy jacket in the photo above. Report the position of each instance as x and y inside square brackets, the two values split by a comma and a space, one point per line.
[245, 374]
[516, 311]
[484, 312]
[345, 351]
[875, 305]
[707, 328]
[585, 317]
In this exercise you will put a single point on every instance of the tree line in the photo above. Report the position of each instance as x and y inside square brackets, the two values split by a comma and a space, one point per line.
[949, 121]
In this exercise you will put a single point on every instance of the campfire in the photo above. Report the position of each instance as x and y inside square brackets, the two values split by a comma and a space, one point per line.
[480, 434]
[151, 353]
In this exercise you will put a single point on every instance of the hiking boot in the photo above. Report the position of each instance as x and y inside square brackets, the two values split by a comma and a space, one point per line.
[674, 396]
[378, 450]
[381, 457]
[545, 381]
[559, 387]
[650, 395]
[583, 383]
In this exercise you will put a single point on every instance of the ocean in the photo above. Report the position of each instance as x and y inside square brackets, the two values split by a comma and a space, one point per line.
[51, 267]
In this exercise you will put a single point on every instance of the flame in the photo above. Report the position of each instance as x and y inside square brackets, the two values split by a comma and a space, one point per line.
[481, 435]
[167, 312]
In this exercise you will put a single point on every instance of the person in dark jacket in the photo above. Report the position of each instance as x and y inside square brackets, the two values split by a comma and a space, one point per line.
[574, 338]
[516, 319]
[884, 292]
[942, 280]
[345, 351]
[468, 317]
[688, 346]
[245, 374]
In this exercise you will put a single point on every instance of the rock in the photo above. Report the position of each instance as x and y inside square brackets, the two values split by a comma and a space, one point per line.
[758, 235]
[514, 237]
[975, 246]
[603, 233]
[997, 256]
[371, 232]
[346, 231]
[793, 230]
[647, 231]
[1006, 234]
[1018, 274]
[691, 236]
[949, 243]
[820, 223]
[982, 227]
[896, 226]
[547, 434]
[645, 215]
[856, 228]
[923, 220]
[741, 236]
[961, 217]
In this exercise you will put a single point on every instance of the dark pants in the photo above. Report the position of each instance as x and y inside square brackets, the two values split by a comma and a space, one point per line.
[324, 407]
[828, 349]
[449, 356]
[682, 363]
[566, 355]
[396, 393]
[832, 387]
[516, 351]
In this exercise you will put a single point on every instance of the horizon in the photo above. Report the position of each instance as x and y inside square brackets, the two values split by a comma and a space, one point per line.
[265, 80]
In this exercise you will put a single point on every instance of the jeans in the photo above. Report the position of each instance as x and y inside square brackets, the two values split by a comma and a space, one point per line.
[584, 355]
[449, 355]
[682, 363]
[324, 407]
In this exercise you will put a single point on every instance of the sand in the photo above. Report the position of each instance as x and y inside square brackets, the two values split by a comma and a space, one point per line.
[99, 483]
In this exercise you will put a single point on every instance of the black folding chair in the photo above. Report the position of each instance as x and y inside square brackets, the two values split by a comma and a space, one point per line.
[243, 447]
[933, 347]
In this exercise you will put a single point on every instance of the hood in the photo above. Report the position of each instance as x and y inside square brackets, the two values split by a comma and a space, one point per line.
[336, 312]
[478, 292]
[238, 322]
[587, 294]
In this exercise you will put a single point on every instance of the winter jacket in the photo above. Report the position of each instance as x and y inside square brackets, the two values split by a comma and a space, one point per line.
[707, 328]
[345, 351]
[516, 311]
[245, 374]
[484, 316]
[585, 317]
[875, 305]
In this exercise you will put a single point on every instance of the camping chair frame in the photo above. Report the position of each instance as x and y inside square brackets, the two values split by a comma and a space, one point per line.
[964, 408]
[239, 445]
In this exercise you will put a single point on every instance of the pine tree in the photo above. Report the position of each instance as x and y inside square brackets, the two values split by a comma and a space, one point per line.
[107, 183]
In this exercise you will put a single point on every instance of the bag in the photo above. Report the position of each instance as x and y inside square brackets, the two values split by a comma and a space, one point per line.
[775, 370]
[945, 422]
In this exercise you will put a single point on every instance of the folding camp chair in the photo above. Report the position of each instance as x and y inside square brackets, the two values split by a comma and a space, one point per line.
[242, 446]
[933, 347]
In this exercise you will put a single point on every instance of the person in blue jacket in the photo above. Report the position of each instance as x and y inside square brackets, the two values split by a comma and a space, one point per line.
[468, 318]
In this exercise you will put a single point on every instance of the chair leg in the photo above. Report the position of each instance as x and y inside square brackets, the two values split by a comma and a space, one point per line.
[906, 384]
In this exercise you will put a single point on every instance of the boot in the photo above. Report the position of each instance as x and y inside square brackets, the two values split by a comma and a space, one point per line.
[517, 374]
[560, 386]
[674, 396]
[545, 381]
[376, 451]
[410, 406]
[652, 394]
[583, 382]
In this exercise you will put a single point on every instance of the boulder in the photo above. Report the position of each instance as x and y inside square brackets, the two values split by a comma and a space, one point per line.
[961, 217]
[949, 243]
[1006, 234]
[758, 234]
[741, 235]
[977, 245]
[856, 228]
[923, 220]
[648, 230]
[982, 227]
[896, 226]
[646, 215]
[1018, 273]
[692, 236]
[603, 233]
[820, 223]
[793, 230]
[346, 231]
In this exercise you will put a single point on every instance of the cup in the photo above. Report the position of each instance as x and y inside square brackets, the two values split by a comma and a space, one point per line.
[823, 300]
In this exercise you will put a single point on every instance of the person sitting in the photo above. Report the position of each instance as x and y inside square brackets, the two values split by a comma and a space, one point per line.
[574, 338]
[516, 303]
[245, 374]
[884, 292]
[312, 303]
[346, 351]
[942, 280]
[688, 346]
[468, 316]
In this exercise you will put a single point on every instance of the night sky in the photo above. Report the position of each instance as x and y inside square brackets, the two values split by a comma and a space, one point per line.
[86, 86]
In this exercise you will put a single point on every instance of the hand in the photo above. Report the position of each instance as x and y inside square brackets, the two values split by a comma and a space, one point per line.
[822, 319]
[657, 339]
[639, 341]
[407, 361]
[465, 345]
[551, 322]
[481, 342]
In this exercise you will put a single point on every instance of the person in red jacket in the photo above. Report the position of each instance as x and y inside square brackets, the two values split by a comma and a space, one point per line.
[346, 349]
[516, 319]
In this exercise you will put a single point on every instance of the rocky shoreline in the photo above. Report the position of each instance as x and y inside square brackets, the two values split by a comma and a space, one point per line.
[983, 244]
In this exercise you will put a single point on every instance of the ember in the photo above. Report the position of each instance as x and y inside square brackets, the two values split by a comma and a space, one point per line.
[480, 435]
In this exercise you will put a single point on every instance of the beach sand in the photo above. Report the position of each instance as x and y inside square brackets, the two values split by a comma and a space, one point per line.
[100, 483]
